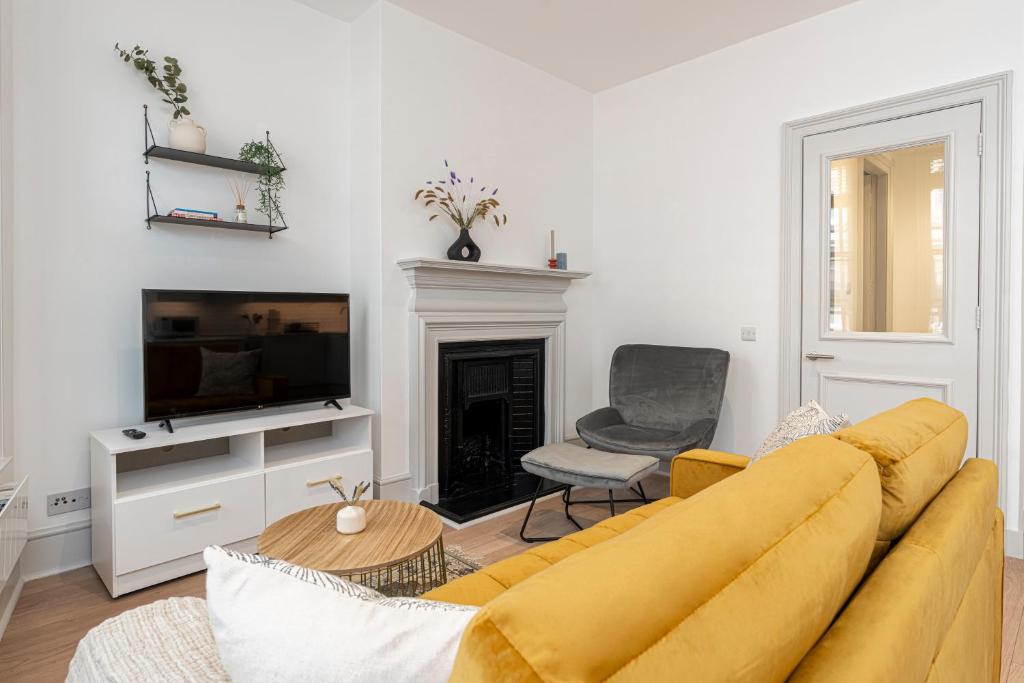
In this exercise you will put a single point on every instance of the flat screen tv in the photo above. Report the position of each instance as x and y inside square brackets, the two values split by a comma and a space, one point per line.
[209, 352]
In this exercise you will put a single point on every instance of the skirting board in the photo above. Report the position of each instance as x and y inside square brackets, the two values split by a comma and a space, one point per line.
[55, 549]
[1013, 543]
[395, 488]
[9, 595]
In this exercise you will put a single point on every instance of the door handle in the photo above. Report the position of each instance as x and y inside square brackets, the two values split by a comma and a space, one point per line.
[814, 355]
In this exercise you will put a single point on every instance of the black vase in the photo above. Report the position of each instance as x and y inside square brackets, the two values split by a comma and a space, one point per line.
[464, 248]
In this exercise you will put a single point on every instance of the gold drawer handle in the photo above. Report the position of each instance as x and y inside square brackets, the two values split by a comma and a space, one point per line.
[197, 511]
[318, 482]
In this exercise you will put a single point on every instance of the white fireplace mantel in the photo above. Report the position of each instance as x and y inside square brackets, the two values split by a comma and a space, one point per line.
[433, 273]
[458, 301]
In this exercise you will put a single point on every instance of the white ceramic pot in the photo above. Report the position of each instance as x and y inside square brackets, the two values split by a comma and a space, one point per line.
[351, 519]
[186, 135]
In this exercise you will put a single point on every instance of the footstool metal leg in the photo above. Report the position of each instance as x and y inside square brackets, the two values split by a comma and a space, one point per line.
[566, 499]
[529, 511]
[611, 501]
[643, 494]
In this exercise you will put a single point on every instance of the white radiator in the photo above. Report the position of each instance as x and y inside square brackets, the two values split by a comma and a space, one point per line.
[13, 526]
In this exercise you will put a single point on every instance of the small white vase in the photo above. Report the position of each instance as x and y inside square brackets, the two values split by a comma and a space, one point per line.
[351, 519]
[186, 135]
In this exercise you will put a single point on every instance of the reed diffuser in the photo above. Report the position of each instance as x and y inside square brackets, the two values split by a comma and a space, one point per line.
[240, 187]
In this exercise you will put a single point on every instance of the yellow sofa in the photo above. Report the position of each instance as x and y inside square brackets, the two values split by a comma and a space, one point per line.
[870, 555]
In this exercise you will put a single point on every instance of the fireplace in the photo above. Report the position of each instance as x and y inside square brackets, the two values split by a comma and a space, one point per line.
[459, 302]
[490, 414]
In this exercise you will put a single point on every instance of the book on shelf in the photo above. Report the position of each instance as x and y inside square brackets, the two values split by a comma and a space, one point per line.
[195, 211]
[194, 214]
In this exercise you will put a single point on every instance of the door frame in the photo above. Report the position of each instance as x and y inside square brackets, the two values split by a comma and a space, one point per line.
[994, 94]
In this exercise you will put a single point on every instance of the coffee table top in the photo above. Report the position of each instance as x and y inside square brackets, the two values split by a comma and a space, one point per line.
[395, 531]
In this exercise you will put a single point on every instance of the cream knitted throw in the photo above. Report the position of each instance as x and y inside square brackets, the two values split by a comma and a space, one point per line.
[167, 640]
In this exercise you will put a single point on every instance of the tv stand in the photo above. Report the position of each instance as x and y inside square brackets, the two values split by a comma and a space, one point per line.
[166, 424]
[158, 502]
[333, 402]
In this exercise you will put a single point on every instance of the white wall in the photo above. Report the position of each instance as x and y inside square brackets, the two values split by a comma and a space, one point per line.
[687, 180]
[444, 96]
[365, 242]
[82, 252]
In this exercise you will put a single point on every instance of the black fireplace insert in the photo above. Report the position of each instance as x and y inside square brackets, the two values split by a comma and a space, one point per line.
[490, 414]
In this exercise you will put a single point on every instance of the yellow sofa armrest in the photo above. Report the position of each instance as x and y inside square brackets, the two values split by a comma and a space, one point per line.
[694, 471]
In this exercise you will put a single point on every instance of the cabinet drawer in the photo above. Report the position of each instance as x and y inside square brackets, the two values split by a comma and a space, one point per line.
[298, 486]
[166, 526]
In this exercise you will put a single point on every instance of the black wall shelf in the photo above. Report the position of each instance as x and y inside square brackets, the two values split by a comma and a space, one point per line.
[230, 225]
[157, 152]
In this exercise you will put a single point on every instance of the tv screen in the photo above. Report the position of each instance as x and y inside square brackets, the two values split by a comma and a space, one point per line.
[209, 352]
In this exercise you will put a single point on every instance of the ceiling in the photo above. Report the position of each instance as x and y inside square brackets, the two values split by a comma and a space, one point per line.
[597, 44]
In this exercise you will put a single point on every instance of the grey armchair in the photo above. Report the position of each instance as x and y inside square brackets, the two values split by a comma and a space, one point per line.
[664, 400]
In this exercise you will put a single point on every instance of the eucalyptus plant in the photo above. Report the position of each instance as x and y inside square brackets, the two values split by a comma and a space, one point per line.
[168, 83]
[271, 177]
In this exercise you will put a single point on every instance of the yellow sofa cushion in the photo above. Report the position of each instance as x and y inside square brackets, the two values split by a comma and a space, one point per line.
[918, 447]
[734, 584]
[930, 611]
[491, 581]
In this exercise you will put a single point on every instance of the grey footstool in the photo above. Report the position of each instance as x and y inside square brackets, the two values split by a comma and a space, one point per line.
[571, 465]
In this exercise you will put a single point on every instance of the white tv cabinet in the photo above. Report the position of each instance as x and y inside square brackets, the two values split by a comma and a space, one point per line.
[158, 501]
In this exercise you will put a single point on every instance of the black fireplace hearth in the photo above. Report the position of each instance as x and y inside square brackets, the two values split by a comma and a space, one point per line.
[490, 414]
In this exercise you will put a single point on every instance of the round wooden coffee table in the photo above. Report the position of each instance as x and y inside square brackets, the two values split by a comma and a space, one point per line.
[399, 553]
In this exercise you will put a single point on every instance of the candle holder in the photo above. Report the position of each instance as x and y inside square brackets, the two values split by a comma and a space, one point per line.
[552, 264]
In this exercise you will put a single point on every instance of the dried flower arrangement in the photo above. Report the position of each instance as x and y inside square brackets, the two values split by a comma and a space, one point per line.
[357, 492]
[463, 203]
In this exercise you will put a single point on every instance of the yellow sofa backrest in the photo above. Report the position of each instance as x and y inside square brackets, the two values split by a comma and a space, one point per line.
[931, 611]
[737, 584]
[918, 447]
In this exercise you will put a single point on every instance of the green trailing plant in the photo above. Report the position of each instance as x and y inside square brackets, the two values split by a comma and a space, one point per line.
[271, 178]
[168, 83]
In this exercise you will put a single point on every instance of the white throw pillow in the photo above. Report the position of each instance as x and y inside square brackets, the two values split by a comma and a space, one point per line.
[274, 621]
[806, 420]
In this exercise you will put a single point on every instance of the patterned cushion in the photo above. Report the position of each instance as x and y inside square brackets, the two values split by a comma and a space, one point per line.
[806, 420]
[321, 579]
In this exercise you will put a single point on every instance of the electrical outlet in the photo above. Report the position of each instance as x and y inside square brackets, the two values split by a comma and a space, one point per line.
[748, 333]
[69, 501]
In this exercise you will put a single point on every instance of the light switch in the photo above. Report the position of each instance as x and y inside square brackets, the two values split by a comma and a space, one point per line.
[748, 333]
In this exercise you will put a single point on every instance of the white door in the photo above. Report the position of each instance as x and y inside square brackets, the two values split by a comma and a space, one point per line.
[890, 264]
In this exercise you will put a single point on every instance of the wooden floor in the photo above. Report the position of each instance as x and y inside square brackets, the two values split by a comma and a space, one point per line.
[54, 613]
